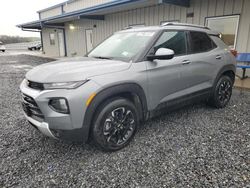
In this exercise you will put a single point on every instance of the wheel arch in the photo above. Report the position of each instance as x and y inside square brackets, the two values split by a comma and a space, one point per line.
[230, 73]
[130, 91]
[228, 70]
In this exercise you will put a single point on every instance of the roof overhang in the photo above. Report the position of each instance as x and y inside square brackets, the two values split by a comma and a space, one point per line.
[98, 12]
[31, 25]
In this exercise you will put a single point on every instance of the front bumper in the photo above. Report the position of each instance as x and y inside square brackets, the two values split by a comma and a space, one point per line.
[41, 126]
[58, 125]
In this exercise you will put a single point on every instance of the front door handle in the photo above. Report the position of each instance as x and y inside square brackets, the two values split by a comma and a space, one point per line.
[186, 62]
[218, 57]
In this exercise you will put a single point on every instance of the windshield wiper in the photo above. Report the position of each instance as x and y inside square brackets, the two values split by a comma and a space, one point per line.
[100, 57]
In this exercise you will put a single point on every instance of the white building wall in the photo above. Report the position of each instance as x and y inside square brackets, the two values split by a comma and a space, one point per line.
[154, 15]
[50, 50]
[70, 6]
[81, 4]
[50, 13]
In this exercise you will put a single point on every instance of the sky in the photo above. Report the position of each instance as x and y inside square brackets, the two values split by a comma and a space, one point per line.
[14, 12]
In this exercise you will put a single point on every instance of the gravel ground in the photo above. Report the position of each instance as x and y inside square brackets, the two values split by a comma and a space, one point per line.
[197, 146]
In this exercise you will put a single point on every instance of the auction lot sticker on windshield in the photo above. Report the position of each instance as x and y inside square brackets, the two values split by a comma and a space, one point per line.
[145, 34]
[125, 53]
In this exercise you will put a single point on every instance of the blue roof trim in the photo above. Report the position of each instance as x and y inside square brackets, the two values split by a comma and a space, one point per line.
[92, 9]
[185, 3]
[111, 4]
[62, 4]
[105, 5]
[83, 12]
[29, 23]
[93, 17]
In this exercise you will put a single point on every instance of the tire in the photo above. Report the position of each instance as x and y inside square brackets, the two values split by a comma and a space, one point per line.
[222, 92]
[3, 50]
[115, 124]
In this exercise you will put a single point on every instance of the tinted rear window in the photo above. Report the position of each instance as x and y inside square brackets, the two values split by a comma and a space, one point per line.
[200, 42]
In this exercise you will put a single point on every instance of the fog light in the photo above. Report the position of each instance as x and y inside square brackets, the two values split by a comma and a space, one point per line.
[59, 105]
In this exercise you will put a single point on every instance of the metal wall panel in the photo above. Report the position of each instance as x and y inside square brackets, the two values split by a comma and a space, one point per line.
[50, 13]
[71, 6]
[50, 50]
[244, 29]
[228, 8]
[154, 15]
[237, 6]
[81, 4]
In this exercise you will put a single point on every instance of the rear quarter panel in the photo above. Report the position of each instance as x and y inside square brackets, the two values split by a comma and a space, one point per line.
[229, 59]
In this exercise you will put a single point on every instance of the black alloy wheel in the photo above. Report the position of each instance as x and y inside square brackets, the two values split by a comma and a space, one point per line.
[119, 126]
[222, 92]
[115, 124]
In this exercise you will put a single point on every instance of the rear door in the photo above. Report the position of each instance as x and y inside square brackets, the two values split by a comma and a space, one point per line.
[202, 62]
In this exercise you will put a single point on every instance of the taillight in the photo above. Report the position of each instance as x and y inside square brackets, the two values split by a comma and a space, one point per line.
[234, 52]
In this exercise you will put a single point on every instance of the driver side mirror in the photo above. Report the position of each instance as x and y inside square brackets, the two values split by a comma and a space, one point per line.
[162, 54]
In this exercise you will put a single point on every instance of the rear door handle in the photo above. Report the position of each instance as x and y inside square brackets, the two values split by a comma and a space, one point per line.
[218, 57]
[186, 62]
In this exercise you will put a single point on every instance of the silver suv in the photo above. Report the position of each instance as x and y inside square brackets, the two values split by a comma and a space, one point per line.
[130, 77]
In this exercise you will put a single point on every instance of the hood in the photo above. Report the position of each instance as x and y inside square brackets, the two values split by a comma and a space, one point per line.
[74, 69]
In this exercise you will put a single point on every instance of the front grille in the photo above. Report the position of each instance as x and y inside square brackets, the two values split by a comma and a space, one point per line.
[35, 85]
[31, 108]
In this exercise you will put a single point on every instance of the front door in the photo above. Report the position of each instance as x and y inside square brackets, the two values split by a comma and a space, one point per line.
[61, 44]
[164, 76]
[89, 39]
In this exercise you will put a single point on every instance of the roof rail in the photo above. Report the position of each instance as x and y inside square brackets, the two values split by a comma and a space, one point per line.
[133, 26]
[183, 24]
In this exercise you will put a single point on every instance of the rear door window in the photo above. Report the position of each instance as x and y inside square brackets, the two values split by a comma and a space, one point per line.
[200, 42]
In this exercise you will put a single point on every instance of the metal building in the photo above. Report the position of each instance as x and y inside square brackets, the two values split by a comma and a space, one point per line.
[74, 27]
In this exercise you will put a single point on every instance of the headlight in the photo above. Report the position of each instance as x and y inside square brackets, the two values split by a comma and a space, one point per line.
[64, 85]
[59, 105]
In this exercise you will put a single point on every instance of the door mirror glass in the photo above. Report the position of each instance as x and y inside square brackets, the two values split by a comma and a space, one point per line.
[162, 53]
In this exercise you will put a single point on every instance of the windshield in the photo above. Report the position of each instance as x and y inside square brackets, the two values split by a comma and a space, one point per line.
[123, 46]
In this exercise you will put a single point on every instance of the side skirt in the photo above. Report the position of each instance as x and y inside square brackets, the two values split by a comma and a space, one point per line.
[180, 102]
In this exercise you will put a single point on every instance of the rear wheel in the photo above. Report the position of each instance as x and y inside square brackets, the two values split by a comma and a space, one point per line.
[222, 92]
[115, 124]
[3, 50]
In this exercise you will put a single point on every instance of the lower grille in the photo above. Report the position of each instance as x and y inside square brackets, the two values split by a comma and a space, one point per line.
[31, 108]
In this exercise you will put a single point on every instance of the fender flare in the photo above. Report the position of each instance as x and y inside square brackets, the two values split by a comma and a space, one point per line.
[112, 91]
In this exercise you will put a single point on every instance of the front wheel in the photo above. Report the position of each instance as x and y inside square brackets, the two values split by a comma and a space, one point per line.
[222, 92]
[115, 124]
